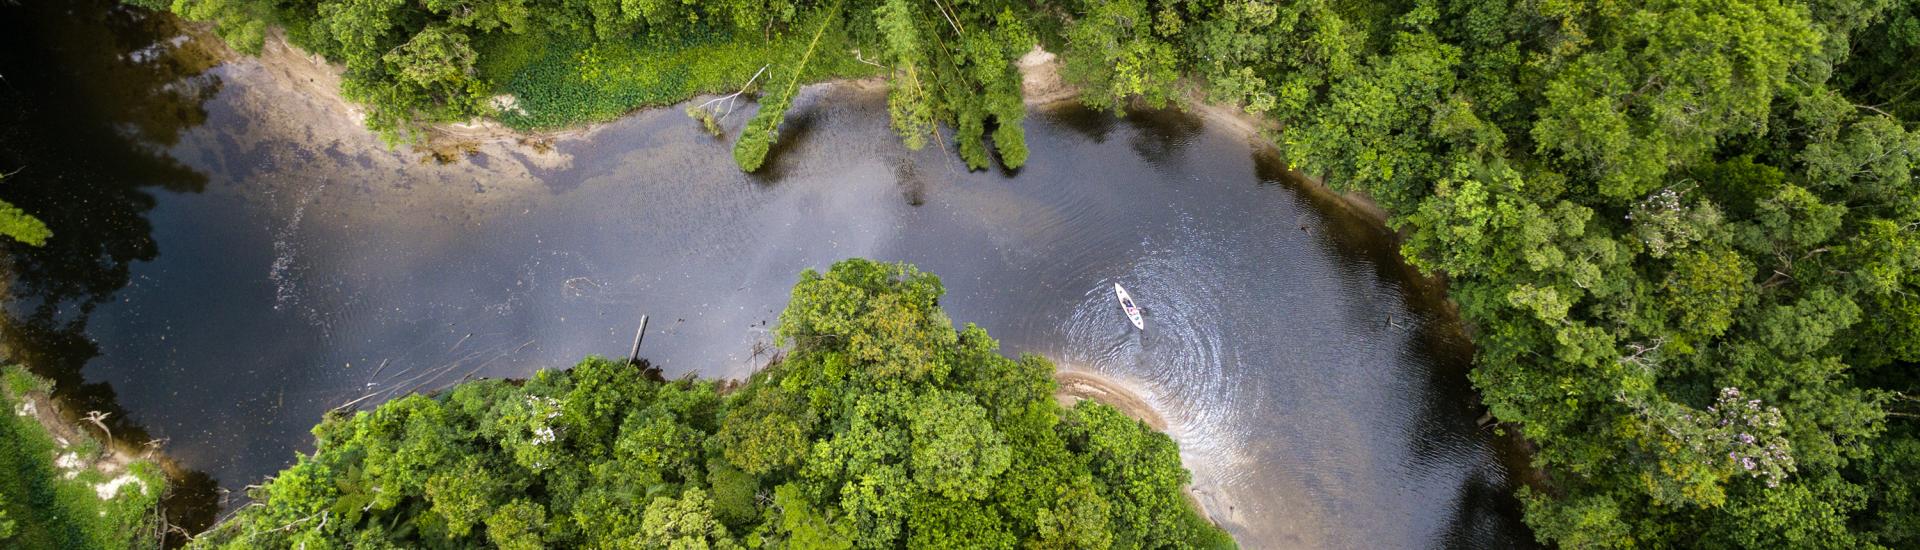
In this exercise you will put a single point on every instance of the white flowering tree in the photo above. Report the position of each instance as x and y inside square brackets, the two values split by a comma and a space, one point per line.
[1698, 452]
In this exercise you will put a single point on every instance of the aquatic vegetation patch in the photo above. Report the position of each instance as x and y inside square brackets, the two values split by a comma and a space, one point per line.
[564, 82]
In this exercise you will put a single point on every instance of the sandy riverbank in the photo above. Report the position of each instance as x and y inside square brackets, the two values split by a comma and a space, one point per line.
[1259, 129]
[315, 80]
[1042, 85]
[1075, 385]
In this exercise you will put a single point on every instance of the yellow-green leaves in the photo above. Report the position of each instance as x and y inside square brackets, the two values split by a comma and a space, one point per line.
[241, 23]
[438, 61]
[21, 226]
[909, 94]
[956, 452]
[684, 522]
[764, 128]
[1704, 288]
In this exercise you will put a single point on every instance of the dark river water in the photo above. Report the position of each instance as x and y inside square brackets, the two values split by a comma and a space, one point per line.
[232, 257]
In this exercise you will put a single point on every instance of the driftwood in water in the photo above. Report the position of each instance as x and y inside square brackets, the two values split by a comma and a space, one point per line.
[634, 356]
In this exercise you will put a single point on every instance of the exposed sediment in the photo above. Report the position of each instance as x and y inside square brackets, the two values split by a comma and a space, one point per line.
[1075, 385]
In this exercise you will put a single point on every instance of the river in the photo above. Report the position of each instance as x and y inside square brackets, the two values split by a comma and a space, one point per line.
[243, 257]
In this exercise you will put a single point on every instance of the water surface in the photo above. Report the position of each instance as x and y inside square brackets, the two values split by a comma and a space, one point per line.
[255, 259]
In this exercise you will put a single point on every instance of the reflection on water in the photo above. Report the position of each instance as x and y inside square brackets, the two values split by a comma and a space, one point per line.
[91, 94]
[1315, 384]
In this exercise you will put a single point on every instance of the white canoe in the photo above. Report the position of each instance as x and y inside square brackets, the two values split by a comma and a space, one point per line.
[1127, 305]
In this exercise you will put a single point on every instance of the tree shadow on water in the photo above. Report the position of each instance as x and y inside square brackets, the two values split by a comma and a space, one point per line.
[1437, 356]
[912, 186]
[1093, 124]
[793, 134]
[1159, 135]
[93, 93]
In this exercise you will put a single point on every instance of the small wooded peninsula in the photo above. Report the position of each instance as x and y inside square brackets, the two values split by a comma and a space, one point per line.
[883, 427]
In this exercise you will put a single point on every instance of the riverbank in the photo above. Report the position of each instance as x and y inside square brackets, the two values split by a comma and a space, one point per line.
[1074, 385]
[65, 488]
[1041, 81]
[1044, 90]
[313, 79]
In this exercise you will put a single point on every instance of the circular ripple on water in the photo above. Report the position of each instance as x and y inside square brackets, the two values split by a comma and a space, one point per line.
[1179, 363]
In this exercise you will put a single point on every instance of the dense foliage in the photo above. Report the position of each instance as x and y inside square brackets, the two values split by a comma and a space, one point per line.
[1686, 231]
[50, 495]
[763, 130]
[547, 63]
[883, 427]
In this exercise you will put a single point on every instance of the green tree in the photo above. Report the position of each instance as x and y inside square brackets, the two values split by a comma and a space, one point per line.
[517, 525]
[764, 128]
[1638, 87]
[241, 23]
[685, 523]
[1079, 519]
[956, 452]
[438, 62]
[1114, 49]
[909, 95]
[6, 524]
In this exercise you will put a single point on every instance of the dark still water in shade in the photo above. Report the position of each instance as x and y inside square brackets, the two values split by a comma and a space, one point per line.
[232, 258]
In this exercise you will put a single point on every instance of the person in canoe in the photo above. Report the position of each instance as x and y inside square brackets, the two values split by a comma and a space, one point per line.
[1126, 304]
